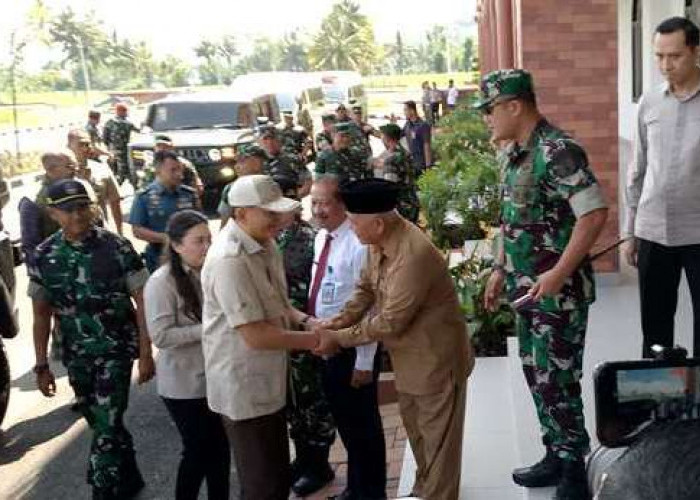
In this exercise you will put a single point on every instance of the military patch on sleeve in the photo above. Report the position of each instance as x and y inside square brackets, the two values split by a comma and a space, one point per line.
[564, 157]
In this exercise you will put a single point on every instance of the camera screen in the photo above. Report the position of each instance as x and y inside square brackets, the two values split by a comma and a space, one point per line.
[658, 395]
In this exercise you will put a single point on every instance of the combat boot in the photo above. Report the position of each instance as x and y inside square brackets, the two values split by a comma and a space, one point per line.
[546, 472]
[574, 483]
[317, 472]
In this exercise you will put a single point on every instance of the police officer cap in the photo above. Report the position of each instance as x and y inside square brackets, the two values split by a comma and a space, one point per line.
[250, 150]
[391, 130]
[67, 194]
[343, 128]
[370, 196]
[268, 131]
[504, 83]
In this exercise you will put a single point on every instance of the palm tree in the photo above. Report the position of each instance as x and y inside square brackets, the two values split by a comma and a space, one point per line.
[344, 41]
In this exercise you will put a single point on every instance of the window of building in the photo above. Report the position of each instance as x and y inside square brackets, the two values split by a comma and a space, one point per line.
[637, 51]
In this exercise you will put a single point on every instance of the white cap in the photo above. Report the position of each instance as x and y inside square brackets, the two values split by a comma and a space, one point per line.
[260, 191]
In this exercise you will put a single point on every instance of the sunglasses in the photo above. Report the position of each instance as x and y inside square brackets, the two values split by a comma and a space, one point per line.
[487, 110]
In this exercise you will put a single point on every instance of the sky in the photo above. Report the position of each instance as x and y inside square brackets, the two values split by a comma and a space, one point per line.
[175, 27]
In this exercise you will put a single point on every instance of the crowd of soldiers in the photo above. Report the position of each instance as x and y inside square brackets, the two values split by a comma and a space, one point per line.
[92, 167]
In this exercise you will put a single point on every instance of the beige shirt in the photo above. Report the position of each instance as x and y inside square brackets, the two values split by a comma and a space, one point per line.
[663, 184]
[405, 298]
[180, 362]
[242, 282]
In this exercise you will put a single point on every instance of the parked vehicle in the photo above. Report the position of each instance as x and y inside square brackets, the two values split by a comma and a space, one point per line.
[343, 87]
[206, 129]
[297, 92]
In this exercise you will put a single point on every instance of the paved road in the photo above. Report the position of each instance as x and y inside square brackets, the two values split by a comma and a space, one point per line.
[44, 445]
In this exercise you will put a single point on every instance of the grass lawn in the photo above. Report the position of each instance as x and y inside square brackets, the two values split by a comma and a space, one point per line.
[414, 81]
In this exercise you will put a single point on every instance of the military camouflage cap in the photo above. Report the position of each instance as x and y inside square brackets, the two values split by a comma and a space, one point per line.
[391, 130]
[328, 117]
[504, 83]
[250, 150]
[343, 128]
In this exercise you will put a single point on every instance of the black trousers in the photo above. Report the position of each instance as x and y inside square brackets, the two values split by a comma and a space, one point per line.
[660, 269]
[356, 414]
[261, 450]
[205, 454]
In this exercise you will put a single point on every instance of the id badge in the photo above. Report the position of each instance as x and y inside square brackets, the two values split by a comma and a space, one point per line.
[328, 293]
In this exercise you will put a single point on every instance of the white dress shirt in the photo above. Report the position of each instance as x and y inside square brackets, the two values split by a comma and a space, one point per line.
[345, 261]
[452, 95]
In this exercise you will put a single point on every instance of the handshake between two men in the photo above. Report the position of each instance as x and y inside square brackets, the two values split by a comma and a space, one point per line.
[327, 345]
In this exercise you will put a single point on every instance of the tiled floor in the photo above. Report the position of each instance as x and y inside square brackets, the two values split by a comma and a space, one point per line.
[395, 436]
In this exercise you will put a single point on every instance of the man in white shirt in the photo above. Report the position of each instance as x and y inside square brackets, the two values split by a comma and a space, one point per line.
[452, 95]
[350, 377]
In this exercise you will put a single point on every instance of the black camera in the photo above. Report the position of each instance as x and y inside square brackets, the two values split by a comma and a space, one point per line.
[639, 406]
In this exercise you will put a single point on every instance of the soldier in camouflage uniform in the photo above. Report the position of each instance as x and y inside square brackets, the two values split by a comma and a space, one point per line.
[295, 139]
[396, 165]
[116, 135]
[88, 277]
[311, 425]
[250, 160]
[281, 162]
[551, 214]
[359, 141]
[367, 129]
[344, 160]
[324, 139]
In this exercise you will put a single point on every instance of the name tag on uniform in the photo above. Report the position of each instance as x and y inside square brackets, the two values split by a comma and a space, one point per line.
[328, 293]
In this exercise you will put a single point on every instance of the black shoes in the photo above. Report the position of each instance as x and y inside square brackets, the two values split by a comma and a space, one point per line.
[311, 482]
[310, 470]
[574, 483]
[546, 472]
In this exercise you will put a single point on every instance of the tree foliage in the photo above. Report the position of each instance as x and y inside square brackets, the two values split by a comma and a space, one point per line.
[345, 40]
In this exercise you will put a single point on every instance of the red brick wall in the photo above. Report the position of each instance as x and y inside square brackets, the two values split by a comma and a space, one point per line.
[570, 46]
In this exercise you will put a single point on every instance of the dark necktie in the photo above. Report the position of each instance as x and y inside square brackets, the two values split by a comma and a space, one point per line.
[320, 272]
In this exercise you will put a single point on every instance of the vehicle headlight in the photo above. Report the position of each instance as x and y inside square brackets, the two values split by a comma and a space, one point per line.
[227, 172]
[214, 154]
[147, 156]
[228, 152]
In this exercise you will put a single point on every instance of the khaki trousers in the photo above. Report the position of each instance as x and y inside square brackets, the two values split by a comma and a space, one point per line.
[435, 424]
